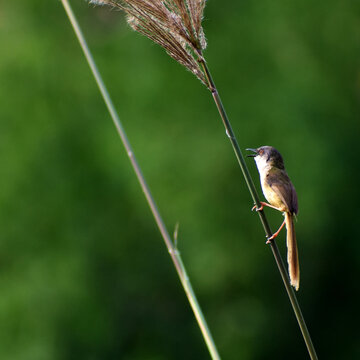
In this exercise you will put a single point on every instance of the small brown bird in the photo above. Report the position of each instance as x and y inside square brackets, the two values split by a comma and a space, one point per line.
[281, 195]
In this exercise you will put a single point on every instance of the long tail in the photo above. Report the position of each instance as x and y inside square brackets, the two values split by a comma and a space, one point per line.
[292, 255]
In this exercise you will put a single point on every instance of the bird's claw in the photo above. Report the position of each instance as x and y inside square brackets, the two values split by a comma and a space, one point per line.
[257, 208]
[273, 236]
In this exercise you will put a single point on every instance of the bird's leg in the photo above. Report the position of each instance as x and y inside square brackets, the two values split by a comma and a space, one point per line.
[273, 236]
[262, 206]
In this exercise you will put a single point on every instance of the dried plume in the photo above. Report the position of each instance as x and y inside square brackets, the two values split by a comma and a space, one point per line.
[173, 24]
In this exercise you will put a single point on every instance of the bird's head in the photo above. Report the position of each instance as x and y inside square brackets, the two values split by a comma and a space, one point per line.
[267, 156]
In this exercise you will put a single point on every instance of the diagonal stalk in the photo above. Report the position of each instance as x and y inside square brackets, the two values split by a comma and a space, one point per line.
[174, 253]
[255, 197]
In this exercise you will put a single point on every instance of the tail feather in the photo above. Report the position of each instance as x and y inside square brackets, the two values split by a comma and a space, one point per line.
[292, 254]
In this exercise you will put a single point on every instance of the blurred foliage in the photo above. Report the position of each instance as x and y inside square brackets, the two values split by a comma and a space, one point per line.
[83, 270]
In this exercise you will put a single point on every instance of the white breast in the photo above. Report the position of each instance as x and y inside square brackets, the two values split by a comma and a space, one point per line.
[262, 165]
[263, 168]
[271, 196]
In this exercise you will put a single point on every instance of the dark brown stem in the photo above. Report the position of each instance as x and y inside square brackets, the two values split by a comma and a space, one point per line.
[255, 197]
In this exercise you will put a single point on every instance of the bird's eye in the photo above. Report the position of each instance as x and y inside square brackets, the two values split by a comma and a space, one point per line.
[261, 152]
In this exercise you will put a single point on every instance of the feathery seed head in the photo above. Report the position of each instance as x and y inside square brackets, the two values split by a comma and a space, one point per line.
[173, 24]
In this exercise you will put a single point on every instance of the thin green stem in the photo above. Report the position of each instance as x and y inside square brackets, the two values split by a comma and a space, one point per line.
[174, 253]
[250, 184]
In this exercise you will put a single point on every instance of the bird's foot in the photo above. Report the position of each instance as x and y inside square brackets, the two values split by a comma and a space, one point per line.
[271, 238]
[259, 208]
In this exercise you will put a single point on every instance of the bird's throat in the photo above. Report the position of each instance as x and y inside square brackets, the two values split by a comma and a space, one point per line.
[263, 166]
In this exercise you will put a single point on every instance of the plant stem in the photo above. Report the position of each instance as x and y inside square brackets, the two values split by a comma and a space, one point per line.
[255, 197]
[174, 253]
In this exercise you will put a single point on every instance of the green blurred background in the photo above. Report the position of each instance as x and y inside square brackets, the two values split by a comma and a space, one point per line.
[84, 273]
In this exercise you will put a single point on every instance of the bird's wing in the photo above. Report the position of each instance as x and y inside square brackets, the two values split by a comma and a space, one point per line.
[283, 187]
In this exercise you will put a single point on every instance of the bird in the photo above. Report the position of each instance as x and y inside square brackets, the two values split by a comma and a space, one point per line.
[281, 195]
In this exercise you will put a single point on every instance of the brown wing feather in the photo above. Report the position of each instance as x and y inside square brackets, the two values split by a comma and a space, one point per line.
[283, 187]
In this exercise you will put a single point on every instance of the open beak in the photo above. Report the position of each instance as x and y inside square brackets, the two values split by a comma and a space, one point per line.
[252, 155]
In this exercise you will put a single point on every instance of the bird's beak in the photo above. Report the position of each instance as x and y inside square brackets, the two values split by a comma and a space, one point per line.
[252, 155]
